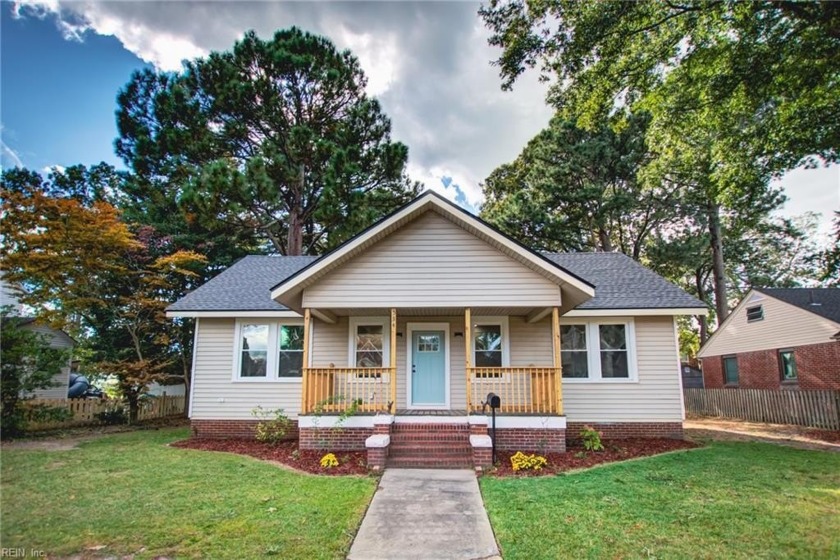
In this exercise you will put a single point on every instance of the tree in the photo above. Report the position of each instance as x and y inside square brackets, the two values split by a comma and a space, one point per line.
[76, 260]
[765, 71]
[577, 190]
[275, 139]
[829, 259]
[27, 363]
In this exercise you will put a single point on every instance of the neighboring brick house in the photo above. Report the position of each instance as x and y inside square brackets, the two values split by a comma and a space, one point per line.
[780, 338]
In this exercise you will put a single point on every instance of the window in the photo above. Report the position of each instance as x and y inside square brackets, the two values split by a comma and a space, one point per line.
[730, 370]
[598, 350]
[428, 343]
[291, 351]
[787, 365]
[755, 313]
[268, 351]
[613, 343]
[369, 343]
[573, 352]
[254, 343]
[490, 344]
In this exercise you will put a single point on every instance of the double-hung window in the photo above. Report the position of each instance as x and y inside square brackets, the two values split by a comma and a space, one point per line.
[490, 344]
[787, 366]
[369, 344]
[268, 350]
[598, 350]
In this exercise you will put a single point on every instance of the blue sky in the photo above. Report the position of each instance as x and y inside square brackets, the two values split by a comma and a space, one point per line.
[62, 64]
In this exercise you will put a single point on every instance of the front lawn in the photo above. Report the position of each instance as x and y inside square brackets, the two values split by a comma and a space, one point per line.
[131, 494]
[728, 500]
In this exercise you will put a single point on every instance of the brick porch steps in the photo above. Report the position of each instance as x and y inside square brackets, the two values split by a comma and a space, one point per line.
[433, 445]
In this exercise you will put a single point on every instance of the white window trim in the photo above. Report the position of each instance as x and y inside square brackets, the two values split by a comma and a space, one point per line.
[385, 323]
[272, 362]
[593, 349]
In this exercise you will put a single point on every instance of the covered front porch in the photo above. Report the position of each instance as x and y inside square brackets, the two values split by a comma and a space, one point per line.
[431, 362]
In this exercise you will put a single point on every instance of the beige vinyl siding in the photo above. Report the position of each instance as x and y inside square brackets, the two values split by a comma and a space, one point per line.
[330, 343]
[783, 326]
[216, 395]
[431, 262]
[61, 381]
[655, 397]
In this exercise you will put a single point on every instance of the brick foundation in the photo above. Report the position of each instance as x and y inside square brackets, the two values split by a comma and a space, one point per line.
[482, 457]
[624, 430]
[817, 366]
[547, 440]
[377, 457]
[335, 439]
[222, 429]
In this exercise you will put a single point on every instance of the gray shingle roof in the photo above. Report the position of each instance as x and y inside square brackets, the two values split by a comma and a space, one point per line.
[620, 283]
[827, 300]
[245, 286]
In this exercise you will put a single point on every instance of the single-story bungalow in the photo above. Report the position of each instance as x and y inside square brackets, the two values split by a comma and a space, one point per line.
[412, 323]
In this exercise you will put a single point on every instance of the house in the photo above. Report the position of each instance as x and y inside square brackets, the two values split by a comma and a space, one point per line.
[56, 339]
[10, 303]
[779, 338]
[415, 320]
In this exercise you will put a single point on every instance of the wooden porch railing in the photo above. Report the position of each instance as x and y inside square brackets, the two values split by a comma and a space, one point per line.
[334, 390]
[523, 390]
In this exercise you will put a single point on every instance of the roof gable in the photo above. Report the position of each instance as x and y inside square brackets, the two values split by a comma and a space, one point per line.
[824, 302]
[288, 291]
[783, 325]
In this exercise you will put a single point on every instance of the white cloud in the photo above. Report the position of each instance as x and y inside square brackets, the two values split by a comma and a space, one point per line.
[429, 64]
[9, 156]
[812, 190]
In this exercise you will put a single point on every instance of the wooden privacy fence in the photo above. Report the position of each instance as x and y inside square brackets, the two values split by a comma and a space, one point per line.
[815, 409]
[84, 411]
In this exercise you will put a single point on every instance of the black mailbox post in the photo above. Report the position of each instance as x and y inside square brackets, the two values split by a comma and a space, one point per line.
[493, 401]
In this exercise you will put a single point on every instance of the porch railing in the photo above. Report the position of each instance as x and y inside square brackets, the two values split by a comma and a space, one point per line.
[336, 390]
[523, 390]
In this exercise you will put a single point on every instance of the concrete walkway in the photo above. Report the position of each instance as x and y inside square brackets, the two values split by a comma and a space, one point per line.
[425, 514]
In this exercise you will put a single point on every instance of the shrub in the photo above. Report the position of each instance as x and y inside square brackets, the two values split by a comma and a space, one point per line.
[113, 415]
[273, 426]
[522, 462]
[329, 461]
[45, 414]
[591, 439]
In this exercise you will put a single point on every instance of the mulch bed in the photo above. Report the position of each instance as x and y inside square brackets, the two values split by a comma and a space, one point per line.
[831, 436]
[287, 453]
[577, 458]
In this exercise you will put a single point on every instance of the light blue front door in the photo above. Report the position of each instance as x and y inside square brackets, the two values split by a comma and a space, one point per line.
[428, 368]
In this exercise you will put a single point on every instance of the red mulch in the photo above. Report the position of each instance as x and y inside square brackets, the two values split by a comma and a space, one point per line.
[831, 436]
[577, 458]
[287, 452]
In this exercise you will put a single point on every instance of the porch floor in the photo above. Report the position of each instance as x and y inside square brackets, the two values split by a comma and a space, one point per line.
[415, 412]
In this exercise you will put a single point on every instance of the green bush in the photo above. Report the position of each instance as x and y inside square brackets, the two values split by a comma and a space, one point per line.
[273, 427]
[112, 416]
[591, 439]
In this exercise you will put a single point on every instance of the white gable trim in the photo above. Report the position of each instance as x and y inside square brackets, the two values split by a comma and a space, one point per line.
[223, 314]
[428, 200]
[655, 311]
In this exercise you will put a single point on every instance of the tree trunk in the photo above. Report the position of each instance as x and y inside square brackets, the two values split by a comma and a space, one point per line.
[701, 295]
[295, 245]
[718, 273]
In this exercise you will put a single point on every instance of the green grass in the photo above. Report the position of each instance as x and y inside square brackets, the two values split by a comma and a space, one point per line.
[132, 494]
[729, 500]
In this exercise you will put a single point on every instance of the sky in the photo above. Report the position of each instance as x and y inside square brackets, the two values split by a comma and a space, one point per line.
[62, 64]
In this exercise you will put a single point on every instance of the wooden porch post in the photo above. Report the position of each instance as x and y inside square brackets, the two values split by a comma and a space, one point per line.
[393, 361]
[468, 354]
[307, 317]
[558, 367]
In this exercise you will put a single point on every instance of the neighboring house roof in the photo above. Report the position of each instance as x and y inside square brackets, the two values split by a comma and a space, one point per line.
[620, 283]
[788, 320]
[57, 337]
[824, 302]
